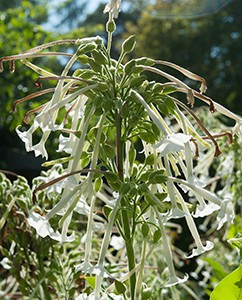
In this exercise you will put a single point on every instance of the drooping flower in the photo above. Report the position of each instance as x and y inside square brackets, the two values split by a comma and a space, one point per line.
[113, 7]
[173, 143]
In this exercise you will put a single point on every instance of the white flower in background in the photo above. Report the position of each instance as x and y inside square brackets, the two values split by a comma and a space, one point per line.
[173, 143]
[113, 7]
[6, 263]
[117, 242]
[104, 297]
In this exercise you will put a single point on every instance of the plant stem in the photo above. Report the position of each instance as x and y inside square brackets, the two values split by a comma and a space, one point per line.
[119, 146]
[129, 248]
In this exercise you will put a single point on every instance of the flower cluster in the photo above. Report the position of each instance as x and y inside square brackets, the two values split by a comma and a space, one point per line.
[111, 110]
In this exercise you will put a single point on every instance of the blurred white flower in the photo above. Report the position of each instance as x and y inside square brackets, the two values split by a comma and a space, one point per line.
[117, 242]
[113, 7]
[6, 263]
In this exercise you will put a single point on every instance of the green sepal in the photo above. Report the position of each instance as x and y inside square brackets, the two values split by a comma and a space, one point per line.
[129, 66]
[96, 67]
[145, 230]
[86, 48]
[106, 211]
[110, 26]
[99, 58]
[156, 236]
[83, 59]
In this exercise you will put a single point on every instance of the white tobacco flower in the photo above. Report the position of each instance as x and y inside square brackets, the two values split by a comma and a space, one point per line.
[84, 296]
[113, 7]
[226, 214]
[42, 225]
[173, 143]
[174, 280]
[43, 228]
[39, 149]
[203, 210]
[26, 136]
[200, 249]
[66, 143]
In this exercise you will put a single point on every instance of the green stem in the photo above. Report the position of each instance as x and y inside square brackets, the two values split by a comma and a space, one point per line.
[119, 146]
[131, 264]
[129, 248]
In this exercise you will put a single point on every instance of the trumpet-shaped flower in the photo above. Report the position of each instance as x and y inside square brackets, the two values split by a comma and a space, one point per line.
[43, 228]
[174, 280]
[41, 225]
[173, 143]
[200, 249]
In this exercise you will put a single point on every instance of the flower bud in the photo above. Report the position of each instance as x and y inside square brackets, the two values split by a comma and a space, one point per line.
[110, 26]
[129, 44]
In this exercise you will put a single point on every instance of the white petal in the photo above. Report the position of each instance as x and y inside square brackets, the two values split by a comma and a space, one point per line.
[172, 143]
[6, 263]
[200, 250]
[117, 242]
[206, 210]
[173, 280]
[39, 149]
[41, 225]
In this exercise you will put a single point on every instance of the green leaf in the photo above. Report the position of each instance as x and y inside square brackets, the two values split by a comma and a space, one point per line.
[97, 184]
[157, 177]
[91, 281]
[150, 160]
[120, 287]
[230, 287]
[125, 188]
[106, 211]
[170, 105]
[148, 137]
[137, 81]
[109, 151]
[217, 268]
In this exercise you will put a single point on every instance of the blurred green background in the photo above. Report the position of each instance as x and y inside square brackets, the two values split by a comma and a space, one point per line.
[208, 45]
